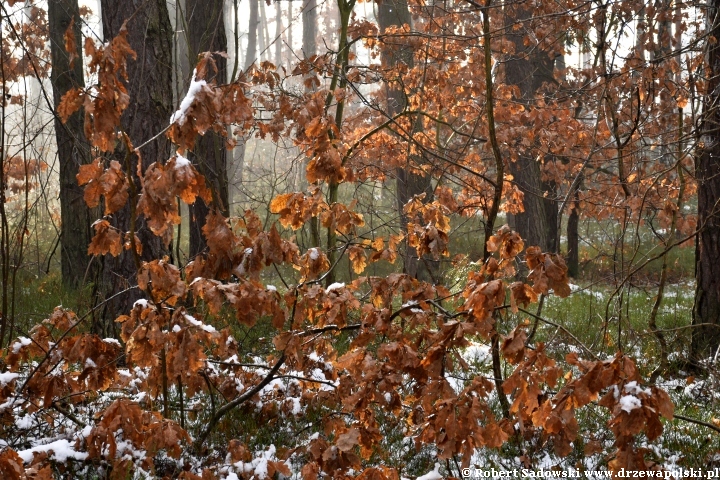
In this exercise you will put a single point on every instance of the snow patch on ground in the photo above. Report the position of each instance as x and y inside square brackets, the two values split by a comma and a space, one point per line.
[434, 475]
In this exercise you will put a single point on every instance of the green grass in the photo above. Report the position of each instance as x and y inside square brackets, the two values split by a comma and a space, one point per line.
[35, 298]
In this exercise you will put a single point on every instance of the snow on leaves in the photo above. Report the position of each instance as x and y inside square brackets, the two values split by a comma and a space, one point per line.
[391, 345]
[208, 107]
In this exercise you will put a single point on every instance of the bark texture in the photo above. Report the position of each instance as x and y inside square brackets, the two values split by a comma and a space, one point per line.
[150, 89]
[206, 33]
[72, 146]
[706, 339]
[573, 239]
[253, 25]
[393, 13]
[309, 32]
[529, 67]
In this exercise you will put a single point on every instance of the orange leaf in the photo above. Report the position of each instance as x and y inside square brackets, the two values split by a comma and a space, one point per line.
[106, 240]
[70, 103]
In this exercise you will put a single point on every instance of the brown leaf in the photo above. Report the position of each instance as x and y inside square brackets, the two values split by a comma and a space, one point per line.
[106, 240]
[313, 264]
[505, 241]
[664, 403]
[115, 187]
[90, 174]
[592, 447]
[357, 257]
[513, 346]
[71, 46]
[310, 471]
[521, 293]
[163, 280]
[70, 103]
[11, 465]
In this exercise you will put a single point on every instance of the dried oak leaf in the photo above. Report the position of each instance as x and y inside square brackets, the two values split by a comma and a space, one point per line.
[481, 300]
[521, 294]
[110, 182]
[428, 240]
[188, 182]
[348, 440]
[358, 259]
[11, 465]
[90, 175]
[144, 344]
[97, 358]
[115, 187]
[513, 346]
[157, 201]
[507, 242]
[313, 263]
[110, 98]
[62, 319]
[326, 165]
[71, 46]
[548, 271]
[162, 280]
[341, 219]
[106, 240]
[165, 435]
[186, 357]
[70, 103]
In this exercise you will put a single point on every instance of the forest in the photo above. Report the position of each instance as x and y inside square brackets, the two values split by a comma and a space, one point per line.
[359, 239]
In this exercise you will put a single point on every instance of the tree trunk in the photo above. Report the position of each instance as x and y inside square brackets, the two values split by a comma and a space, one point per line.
[278, 35]
[706, 339]
[309, 49]
[291, 49]
[252, 35]
[250, 58]
[392, 13]
[309, 22]
[264, 33]
[529, 68]
[72, 146]
[206, 33]
[573, 237]
[150, 89]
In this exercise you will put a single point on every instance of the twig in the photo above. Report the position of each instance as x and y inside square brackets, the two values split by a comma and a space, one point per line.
[65, 334]
[697, 422]
[549, 322]
[238, 401]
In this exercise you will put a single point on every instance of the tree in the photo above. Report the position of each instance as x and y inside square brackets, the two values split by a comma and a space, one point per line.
[206, 33]
[67, 73]
[706, 312]
[253, 28]
[278, 35]
[529, 68]
[377, 373]
[397, 55]
[149, 84]
[309, 31]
